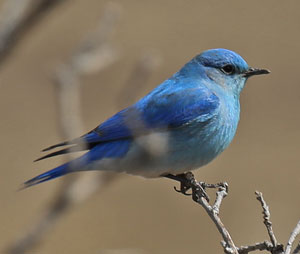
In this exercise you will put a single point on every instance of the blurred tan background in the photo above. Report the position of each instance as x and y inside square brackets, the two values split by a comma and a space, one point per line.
[147, 215]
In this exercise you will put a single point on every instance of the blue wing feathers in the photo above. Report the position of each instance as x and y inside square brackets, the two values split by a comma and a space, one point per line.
[163, 111]
[113, 149]
[176, 109]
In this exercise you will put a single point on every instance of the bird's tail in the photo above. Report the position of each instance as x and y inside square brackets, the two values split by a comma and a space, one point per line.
[49, 175]
[114, 149]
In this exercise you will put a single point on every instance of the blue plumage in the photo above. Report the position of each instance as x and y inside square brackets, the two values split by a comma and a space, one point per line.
[111, 149]
[181, 125]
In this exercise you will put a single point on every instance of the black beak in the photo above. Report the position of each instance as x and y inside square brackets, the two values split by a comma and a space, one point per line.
[252, 71]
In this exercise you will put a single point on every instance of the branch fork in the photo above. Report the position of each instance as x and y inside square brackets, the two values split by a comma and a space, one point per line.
[199, 195]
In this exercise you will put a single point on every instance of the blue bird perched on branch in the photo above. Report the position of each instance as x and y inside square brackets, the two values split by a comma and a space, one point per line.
[181, 125]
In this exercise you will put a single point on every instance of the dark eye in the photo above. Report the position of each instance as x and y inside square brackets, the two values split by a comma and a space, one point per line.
[228, 69]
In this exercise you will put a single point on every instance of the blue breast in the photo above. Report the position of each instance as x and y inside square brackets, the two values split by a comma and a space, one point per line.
[196, 144]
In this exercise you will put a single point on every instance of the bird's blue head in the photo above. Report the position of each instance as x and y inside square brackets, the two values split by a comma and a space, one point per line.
[226, 68]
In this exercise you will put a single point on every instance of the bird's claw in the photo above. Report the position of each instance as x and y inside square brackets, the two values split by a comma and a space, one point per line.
[183, 189]
[187, 182]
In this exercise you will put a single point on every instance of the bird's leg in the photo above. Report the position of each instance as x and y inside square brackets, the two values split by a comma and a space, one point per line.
[188, 181]
[184, 183]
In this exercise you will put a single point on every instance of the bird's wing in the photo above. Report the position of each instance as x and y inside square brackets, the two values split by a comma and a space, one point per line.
[162, 109]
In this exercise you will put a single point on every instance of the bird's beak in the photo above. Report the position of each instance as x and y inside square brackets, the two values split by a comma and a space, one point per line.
[253, 71]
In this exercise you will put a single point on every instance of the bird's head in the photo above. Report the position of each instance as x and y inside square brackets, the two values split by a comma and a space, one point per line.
[227, 69]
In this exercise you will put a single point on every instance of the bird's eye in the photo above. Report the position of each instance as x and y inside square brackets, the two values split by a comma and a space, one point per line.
[228, 69]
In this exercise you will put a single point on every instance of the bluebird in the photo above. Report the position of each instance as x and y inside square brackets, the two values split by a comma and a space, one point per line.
[181, 125]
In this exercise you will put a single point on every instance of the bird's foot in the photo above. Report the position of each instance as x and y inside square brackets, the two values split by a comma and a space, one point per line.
[184, 183]
[188, 181]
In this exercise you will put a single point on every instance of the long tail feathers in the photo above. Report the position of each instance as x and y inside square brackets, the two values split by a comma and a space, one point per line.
[63, 151]
[113, 149]
[54, 146]
[49, 175]
[77, 141]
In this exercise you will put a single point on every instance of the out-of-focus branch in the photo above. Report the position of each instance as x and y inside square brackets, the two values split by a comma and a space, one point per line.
[144, 67]
[154, 144]
[17, 17]
[93, 55]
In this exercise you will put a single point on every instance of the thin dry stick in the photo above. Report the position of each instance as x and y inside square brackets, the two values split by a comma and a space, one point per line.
[199, 195]
[17, 17]
[291, 240]
[266, 245]
[266, 217]
[277, 247]
[227, 243]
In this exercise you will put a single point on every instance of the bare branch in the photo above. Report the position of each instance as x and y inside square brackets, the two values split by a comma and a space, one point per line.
[266, 217]
[221, 194]
[145, 66]
[94, 54]
[17, 17]
[266, 245]
[199, 195]
[291, 240]
[68, 96]
[229, 246]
